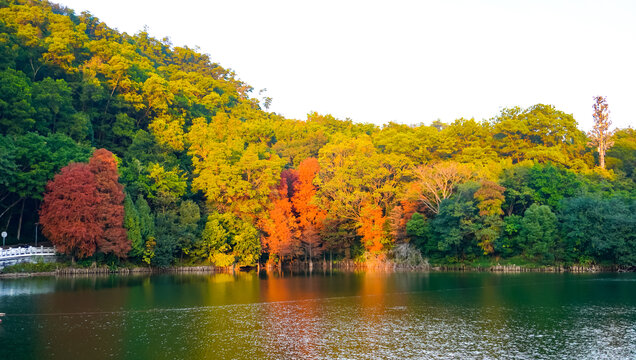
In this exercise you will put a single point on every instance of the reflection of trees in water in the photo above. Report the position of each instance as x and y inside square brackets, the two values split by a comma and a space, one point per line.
[16, 287]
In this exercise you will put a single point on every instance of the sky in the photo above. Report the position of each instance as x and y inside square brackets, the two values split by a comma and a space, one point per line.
[408, 62]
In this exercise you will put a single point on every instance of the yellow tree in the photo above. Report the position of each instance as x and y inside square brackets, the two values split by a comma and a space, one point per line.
[437, 182]
[490, 197]
[358, 184]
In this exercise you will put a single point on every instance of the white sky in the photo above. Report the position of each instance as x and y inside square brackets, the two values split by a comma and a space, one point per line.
[407, 61]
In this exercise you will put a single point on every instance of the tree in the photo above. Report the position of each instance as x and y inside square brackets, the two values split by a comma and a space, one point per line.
[281, 232]
[15, 103]
[599, 230]
[438, 182]
[545, 184]
[452, 231]
[538, 233]
[601, 136]
[111, 208]
[489, 200]
[228, 240]
[133, 228]
[146, 219]
[70, 211]
[417, 229]
[622, 156]
[372, 228]
[541, 133]
[83, 212]
[355, 182]
[177, 230]
[52, 101]
[31, 161]
[310, 216]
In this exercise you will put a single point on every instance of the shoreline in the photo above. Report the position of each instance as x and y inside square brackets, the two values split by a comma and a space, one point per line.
[575, 269]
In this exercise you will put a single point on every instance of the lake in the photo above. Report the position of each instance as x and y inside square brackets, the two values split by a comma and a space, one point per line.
[363, 315]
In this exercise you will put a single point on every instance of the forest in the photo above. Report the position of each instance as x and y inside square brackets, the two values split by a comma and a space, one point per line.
[125, 148]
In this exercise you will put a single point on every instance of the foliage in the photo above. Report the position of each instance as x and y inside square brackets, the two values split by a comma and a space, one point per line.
[438, 182]
[228, 240]
[82, 211]
[133, 227]
[601, 229]
[212, 176]
[70, 211]
[538, 235]
[27, 267]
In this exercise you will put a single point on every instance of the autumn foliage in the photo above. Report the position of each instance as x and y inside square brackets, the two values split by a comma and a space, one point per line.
[294, 221]
[281, 228]
[111, 204]
[372, 228]
[69, 214]
[310, 216]
[82, 211]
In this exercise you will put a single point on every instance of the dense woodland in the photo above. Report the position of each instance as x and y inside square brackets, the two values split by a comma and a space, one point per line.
[128, 148]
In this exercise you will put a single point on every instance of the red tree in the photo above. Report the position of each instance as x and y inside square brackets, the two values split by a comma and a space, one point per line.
[372, 229]
[400, 216]
[310, 216]
[281, 229]
[111, 209]
[69, 211]
[82, 211]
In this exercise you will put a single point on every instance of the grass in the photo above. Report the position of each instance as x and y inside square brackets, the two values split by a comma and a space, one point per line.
[27, 267]
[484, 262]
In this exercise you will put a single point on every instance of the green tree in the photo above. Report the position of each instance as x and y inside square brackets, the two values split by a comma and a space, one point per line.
[622, 156]
[228, 240]
[133, 227]
[538, 235]
[454, 228]
[541, 133]
[16, 111]
[146, 219]
[417, 230]
[600, 230]
[52, 101]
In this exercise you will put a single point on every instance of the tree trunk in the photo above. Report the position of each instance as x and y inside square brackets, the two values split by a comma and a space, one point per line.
[9, 208]
[20, 223]
[601, 155]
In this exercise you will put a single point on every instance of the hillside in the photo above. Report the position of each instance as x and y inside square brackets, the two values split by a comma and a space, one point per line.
[210, 176]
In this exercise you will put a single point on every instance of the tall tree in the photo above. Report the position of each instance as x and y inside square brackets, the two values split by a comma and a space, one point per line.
[111, 204]
[601, 136]
[371, 228]
[70, 211]
[280, 228]
[132, 225]
[310, 216]
[539, 233]
[490, 197]
[83, 212]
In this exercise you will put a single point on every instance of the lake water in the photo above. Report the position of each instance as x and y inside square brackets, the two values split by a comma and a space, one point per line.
[337, 315]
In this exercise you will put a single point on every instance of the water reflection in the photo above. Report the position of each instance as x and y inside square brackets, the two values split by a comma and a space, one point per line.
[321, 315]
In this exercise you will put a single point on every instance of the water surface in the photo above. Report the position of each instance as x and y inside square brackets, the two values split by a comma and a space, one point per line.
[333, 315]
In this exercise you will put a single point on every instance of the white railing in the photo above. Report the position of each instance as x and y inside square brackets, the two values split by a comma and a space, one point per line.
[13, 253]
